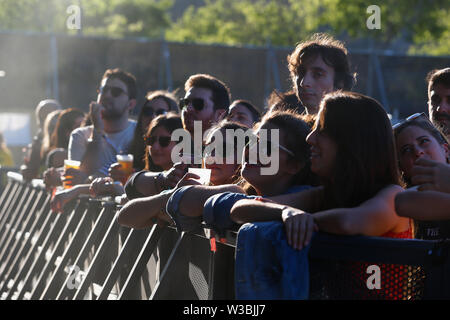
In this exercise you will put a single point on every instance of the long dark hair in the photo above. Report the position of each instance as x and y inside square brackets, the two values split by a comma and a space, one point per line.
[295, 129]
[137, 145]
[64, 125]
[366, 159]
[169, 121]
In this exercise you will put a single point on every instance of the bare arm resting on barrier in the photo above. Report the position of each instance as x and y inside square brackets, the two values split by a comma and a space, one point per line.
[149, 183]
[105, 186]
[373, 217]
[140, 213]
[62, 197]
[308, 200]
[193, 200]
[423, 205]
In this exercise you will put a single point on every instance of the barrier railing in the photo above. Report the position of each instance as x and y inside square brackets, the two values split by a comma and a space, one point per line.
[83, 253]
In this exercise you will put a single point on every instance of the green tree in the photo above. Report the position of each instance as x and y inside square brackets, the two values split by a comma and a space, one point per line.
[422, 23]
[113, 18]
[247, 22]
[121, 18]
[419, 21]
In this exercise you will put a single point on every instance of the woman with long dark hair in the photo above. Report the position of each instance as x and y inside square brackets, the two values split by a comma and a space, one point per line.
[353, 152]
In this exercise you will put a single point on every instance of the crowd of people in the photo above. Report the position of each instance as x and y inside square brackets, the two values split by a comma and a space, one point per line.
[343, 167]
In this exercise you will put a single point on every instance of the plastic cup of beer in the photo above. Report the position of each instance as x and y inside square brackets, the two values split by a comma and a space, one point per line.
[70, 164]
[126, 163]
[204, 174]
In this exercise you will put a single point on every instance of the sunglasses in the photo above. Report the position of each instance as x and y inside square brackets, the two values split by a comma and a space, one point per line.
[421, 116]
[163, 141]
[415, 116]
[149, 112]
[267, 146]
[197, 103]
[115, 91]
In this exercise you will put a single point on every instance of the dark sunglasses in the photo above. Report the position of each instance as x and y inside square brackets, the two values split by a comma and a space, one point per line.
[163, 141]
[149, 112]
[115, 91]
[197, 103]
[267, 146]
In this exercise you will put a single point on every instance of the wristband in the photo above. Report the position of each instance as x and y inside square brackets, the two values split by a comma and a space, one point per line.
[183, 223]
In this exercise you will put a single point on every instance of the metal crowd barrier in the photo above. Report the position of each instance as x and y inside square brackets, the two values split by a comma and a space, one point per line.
[83, 253]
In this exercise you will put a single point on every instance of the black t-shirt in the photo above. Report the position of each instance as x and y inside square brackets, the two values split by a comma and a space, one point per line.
[433, 230]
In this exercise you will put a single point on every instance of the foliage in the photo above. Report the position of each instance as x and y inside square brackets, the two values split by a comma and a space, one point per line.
[424, 24]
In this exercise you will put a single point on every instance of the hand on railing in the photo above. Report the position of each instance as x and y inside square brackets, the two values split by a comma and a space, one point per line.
[52, 178]
[299, 226]
[62, 197]
[105, 187]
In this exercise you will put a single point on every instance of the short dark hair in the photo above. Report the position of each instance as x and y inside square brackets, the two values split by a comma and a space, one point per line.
[253, 110]
[436, 76]
[333, 53]
[284, 101]
[169, 98]
[125, 77]
[220, 92]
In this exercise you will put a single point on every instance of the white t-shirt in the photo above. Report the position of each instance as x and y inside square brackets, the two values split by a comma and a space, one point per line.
[115, 143]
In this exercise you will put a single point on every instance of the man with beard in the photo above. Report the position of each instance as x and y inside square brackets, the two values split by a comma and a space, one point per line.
[319, 66]
[111, 132]
[206, 100]
[439, 99]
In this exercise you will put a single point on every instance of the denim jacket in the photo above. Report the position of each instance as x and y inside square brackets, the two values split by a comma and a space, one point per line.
[267, 267]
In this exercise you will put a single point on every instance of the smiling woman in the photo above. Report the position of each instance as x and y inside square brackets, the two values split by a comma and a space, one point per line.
[353, 153]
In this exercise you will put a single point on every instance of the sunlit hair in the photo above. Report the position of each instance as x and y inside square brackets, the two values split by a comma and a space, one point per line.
[256, 115]
[49, 127]
[220, 92]
[295, 130]
[169, 121]
[169, 98]
[125, 77]
[333, 53]
[137, 145]
[64, 126]
[438, 76]
[284, 101]
[366, 159]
